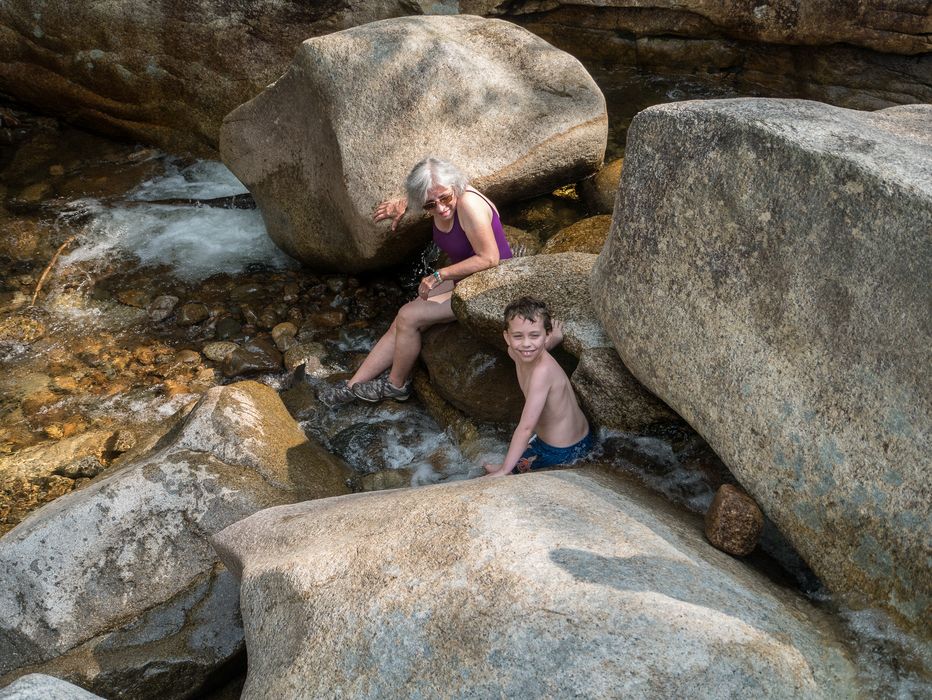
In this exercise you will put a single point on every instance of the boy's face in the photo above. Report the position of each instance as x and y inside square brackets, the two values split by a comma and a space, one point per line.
[527, 339]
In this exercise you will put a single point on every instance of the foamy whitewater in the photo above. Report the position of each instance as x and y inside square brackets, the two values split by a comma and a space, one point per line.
[195, 241]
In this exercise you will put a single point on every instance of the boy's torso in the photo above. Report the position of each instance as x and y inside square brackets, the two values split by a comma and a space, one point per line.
[561, 423]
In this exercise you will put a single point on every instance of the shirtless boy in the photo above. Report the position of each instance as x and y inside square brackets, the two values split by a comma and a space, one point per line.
[550, 408]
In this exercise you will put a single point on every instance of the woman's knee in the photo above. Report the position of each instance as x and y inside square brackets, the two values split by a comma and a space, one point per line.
[407, 317]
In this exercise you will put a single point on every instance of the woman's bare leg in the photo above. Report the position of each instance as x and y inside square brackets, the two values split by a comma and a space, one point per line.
[413, 318]
[378, 360]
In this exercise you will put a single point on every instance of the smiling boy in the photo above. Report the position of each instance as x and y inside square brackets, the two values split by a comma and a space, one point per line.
[550, 407]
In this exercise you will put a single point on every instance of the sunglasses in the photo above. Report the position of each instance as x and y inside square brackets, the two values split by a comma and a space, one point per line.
[444, 199]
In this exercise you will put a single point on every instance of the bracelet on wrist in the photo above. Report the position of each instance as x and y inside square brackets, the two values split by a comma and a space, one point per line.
[437, 275]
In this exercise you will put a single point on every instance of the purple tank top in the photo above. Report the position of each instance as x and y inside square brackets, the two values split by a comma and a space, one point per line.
[457, 246]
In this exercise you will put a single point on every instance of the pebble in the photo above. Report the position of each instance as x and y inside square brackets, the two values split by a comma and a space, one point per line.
[305, 353]
[188, 357]
[328, 319]
[84, 467]
[218, 350]
[162, 307]
[734, 521]
[283, 334]
[191, 313]
[227, 328]
[20, 329]
[133, 297]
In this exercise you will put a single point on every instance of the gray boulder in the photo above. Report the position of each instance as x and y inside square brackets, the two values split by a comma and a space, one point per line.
[339, 131]
[769, 278]
[38, 686]
[561, 584]
[607, 392]
[115, 586]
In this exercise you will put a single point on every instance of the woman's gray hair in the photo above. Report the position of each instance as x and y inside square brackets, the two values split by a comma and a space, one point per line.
[433, 172]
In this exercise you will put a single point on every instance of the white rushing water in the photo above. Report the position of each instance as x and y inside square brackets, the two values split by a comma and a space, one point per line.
[194, 241]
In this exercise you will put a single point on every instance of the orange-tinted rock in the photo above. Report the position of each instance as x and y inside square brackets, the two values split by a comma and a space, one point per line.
[734, 521]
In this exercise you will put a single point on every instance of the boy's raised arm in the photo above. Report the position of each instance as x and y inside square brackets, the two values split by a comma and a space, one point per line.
[533, 407]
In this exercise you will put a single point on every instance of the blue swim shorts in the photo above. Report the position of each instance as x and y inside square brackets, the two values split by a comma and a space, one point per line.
[539, 454]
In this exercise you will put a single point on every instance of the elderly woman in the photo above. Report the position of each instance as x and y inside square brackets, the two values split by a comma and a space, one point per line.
[468, 229]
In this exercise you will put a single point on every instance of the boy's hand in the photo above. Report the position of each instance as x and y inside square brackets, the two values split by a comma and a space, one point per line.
[556, 334]
[392, 209]
[493, 469]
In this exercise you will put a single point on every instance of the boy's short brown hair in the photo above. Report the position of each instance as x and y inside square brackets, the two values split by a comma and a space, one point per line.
[530, 309]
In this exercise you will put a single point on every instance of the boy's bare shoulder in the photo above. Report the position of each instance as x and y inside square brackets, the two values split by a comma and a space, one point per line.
[549, 370]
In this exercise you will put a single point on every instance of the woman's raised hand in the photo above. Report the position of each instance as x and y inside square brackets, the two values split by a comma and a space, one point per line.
[392, 209]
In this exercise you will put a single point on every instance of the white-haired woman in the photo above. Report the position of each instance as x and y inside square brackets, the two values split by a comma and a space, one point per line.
[468, 229]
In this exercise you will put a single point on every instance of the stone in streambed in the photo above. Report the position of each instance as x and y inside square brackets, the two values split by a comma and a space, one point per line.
[734, 522]
[559, 584]
[585, 236]
[284, 335]
[20, 330]
[218, 351]
[474, 377]
[539, 115]
[192, 313]
[257, 355]
[162, 307]
[227, 328]
[115, 587]
[135, 298]
[599, 191]
[768, 277]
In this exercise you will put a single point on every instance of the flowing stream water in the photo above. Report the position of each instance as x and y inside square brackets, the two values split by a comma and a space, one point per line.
[135, 224]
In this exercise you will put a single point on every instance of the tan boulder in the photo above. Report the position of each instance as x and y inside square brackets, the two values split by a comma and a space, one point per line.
[598, 191]
[340, 130]
[572, 583]
[586, 236]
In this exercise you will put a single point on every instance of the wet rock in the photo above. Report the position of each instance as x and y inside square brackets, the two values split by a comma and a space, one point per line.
[84, 467]
[21, 239]
[162, 307]
[37, 401]
[327, 319]
[522, 242]
[258, 355]
[218, 351]
[38, 686]
[470, 374]
[164, 615]
[188, 357]
[284, 335]
[20, 330]
[121, 441]
[308, 353]
[386, 479]
[191, 313]
[598, 191]
[372, 447]
[747, 298]
[290, 292]
[554, 131]
[227, 327]
[335, 284]
[268, 318]
[586, 236]
[600, 585]
[733, 522]
[136, 298]
[250, 317]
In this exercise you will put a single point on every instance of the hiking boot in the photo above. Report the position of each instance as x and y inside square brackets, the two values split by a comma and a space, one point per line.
[380, 388]
[335, 394]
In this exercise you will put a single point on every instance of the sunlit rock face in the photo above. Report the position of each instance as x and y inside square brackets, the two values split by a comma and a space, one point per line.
[767, 276]
[115, 587]
[340, 131]
[862, 55]
[559, 584]
[163, 73]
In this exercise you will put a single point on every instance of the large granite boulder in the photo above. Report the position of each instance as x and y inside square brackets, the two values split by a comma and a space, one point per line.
[607, 392]
[115, 587]
[561, 584]
[769, 278]
[160, 73]
[340, 130]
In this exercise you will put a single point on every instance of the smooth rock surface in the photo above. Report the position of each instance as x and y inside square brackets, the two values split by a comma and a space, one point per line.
[611, 397]
[561, 584]
[339, 132]
[585, 236]
[38, 686]
[599, 191]
[115, 587]
[769, 279]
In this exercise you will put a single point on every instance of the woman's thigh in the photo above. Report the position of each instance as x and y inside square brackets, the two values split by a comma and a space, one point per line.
[426, 312]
